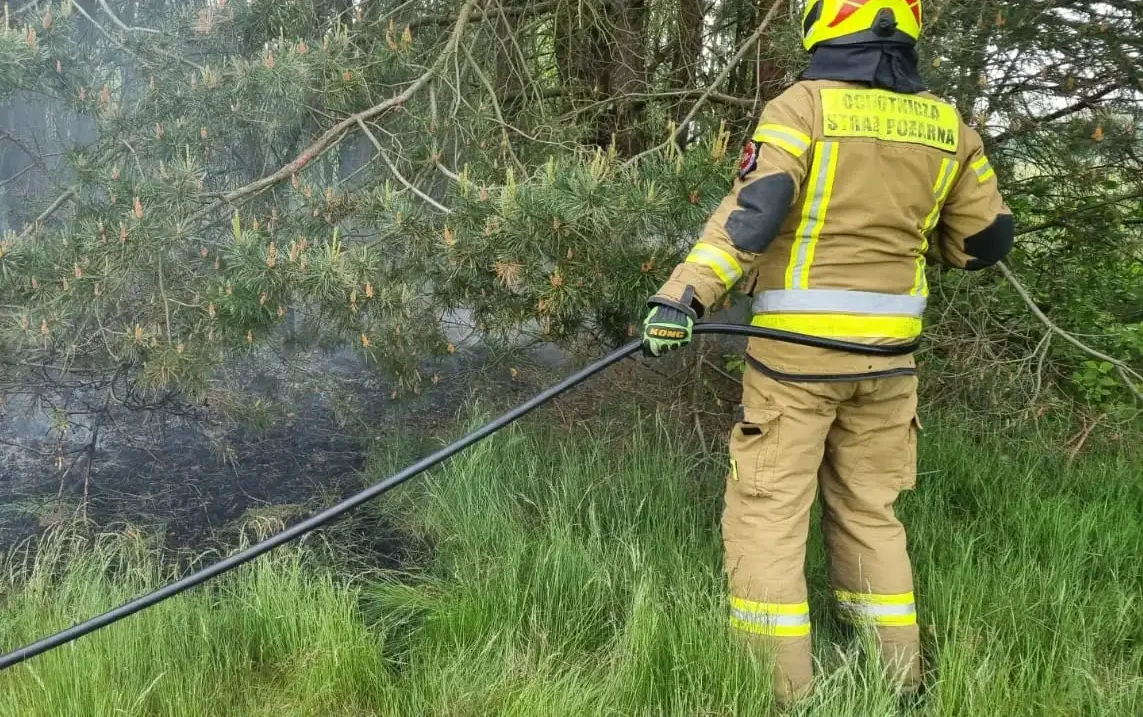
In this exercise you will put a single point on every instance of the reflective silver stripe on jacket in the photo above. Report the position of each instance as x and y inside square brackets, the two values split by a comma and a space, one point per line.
[813, 214]
[838, 301]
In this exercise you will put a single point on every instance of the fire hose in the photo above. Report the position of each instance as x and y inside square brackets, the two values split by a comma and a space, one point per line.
[316, 521]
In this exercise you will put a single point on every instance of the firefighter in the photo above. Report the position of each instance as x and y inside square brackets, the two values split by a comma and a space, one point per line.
[852, 178]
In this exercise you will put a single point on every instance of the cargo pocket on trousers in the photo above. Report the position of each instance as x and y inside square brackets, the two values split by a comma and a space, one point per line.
[754, 449]
[909, 470]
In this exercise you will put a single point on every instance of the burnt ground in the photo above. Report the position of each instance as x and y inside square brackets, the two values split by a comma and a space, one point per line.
[164, 474]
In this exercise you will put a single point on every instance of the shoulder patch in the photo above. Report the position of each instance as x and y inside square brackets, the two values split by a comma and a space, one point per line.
[891, 117]
[749, 159]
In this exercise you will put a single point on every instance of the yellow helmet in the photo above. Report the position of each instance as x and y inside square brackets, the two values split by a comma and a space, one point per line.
[844, 22]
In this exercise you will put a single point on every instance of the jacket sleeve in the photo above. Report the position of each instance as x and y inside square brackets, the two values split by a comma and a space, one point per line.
[774, 165]
[975, 229]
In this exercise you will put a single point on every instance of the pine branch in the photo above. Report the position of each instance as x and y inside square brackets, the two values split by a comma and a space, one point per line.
[103, 31]
[447, 172]
[334, 135]
[486, 14]
[17, 175]
[719, 97]
[495, 106]
[115, 19]
[1062, 219]
[39, 162]
[1031, 124]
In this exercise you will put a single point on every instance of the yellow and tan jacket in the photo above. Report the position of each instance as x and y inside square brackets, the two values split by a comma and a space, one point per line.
[841, 192]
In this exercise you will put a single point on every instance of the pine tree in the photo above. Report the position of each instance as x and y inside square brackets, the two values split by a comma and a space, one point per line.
[348, 173]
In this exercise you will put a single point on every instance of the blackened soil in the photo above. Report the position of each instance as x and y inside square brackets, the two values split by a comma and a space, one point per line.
[163, 473]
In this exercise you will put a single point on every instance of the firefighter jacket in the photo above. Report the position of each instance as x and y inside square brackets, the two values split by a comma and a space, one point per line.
[842, 192]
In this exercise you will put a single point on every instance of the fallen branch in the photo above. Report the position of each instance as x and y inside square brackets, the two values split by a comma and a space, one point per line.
[742, 50]
[1130, 377]
[1082, 436]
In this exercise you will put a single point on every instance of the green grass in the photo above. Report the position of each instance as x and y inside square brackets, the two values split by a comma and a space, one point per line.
[577, 572]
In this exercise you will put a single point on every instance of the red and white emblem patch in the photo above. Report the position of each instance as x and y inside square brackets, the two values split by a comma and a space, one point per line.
[749, 159]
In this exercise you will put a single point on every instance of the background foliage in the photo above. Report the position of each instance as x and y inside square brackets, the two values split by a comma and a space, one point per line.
[182, 183]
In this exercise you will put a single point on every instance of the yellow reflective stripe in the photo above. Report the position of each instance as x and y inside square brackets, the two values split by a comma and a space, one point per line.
[875, 599]
[725, 266]
[770, 608]
[920, 281]
[788, 138]
[770, 630]
[881, 620]
[843, 325]
[941, 189]
[983, 170]
[814, 211]
[896, 620]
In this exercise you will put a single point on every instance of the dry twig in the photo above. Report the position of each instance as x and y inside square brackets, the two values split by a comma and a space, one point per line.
[126, 28]
[400, 177]
[1082, 436]
[59, 202]
[1130, 377]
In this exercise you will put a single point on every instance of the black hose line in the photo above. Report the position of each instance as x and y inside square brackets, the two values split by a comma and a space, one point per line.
[170, 590]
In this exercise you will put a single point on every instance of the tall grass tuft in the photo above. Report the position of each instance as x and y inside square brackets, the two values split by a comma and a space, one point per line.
[276, 637]
[577, 572]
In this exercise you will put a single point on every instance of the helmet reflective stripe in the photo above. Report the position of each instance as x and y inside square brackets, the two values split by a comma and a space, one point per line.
[850, 21]
[852, 6]
[846, 11]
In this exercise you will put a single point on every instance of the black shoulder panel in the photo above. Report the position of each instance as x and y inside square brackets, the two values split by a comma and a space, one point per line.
[762, 207]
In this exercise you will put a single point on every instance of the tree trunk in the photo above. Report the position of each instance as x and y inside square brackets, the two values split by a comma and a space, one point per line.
[629, 75]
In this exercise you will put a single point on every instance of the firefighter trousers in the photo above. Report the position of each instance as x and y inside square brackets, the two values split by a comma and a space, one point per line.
[857, 441]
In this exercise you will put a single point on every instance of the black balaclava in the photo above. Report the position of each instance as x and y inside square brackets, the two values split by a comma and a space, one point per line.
[884, 65]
